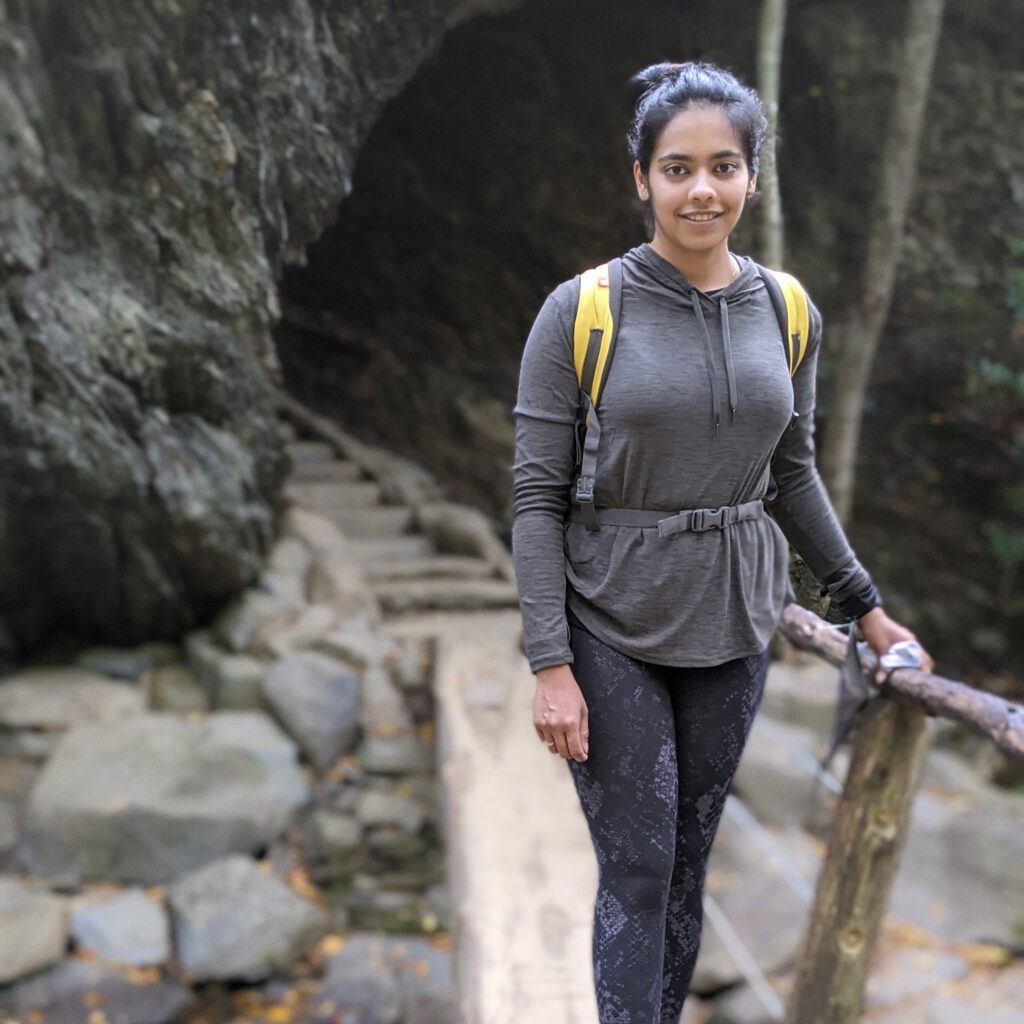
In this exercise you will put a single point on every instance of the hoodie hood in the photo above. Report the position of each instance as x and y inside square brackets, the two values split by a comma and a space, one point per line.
[662, 276]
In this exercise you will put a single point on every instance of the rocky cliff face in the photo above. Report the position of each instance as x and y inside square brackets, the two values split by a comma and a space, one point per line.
[159, 163]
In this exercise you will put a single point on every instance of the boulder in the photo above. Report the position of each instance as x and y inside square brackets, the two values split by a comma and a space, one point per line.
[776, 775]
[420, 975]
[317, 700]
[315, 532]
[149, 797]
[127, 927]
[383, 808]
[764, 887]
[174, 688]
[341, 584]
[74, 991]
[234, 921]
[293, 631]
[127, 663]
[360, 647]
[230, 680]
[403, 753]
[383, 711]
[33, 929]
[962, 864]
[236, 626]
[60, 696]
[330, 833]
[802, 690]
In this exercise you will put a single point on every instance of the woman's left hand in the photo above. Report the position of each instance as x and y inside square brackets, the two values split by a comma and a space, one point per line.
[881, 633]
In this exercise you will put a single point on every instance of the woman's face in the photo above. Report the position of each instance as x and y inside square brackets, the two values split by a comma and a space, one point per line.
[697, 183]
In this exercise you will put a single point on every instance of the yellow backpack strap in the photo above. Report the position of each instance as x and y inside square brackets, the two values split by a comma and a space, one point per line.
[797, 316]
[593, 330]
[593, 344]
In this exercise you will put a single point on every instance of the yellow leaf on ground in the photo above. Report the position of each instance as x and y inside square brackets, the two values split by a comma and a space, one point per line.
[298, 879]
[331, 944]
[984, 954]
[278, 1015]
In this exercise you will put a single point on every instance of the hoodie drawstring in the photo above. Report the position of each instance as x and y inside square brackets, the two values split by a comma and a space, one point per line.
[699, 313]
[730, 372]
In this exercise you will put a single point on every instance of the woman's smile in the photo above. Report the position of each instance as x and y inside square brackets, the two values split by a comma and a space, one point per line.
[697, 186]
[701, 218]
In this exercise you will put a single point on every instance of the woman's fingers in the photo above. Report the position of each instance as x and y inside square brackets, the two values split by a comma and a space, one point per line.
[567, 742]
[560, 716]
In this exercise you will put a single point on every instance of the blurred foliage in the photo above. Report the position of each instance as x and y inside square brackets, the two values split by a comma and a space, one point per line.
[994, 405]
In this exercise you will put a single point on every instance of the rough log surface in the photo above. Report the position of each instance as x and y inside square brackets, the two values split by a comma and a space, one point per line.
[160, 162]
[868, 835]
[1000, 719]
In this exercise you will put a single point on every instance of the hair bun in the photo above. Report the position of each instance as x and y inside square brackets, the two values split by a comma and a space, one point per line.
[651, 77]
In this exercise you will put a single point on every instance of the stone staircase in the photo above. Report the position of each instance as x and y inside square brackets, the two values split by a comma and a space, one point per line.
[523, 902]
[417, 555]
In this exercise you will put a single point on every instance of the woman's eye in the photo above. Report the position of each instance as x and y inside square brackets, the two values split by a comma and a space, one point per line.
[672, 170]
[726, 168]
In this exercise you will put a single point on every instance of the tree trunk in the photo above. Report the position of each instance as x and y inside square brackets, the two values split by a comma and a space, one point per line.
[885, 234]
[769, 72]
[869, 832]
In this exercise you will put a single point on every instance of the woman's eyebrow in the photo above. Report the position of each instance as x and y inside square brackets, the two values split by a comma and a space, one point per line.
[714, 156]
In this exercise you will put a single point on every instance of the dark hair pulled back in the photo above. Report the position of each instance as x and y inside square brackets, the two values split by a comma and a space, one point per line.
[660, 91]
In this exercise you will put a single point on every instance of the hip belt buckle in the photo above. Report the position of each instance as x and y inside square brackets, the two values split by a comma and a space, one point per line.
[707, 519]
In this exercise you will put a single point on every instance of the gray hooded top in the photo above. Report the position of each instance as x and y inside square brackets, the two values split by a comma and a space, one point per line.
[696, 412]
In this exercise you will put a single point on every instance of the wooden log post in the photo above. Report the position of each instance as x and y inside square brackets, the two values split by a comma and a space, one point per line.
[869, 832]
[870, 825]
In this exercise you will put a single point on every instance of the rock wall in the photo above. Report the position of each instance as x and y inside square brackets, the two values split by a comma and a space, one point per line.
[160, 162]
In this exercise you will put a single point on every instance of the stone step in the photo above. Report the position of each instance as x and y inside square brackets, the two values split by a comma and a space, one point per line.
[407, 547]
[324, 496]
[336, 470]
[311, 451]
[460, 566]
[398, 597]
[379, 521]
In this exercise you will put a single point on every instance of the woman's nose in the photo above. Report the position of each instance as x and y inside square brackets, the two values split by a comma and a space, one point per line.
[700, 187]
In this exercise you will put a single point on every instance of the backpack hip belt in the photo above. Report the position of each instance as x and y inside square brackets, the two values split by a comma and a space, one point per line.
[696, 520]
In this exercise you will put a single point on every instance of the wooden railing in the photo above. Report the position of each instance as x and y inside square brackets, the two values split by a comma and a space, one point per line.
[871, 820]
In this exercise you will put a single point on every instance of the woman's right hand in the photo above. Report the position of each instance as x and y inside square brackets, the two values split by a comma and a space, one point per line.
[560, 713]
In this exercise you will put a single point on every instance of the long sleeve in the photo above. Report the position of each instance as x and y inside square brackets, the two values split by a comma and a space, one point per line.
[801, 505]
[542, 474]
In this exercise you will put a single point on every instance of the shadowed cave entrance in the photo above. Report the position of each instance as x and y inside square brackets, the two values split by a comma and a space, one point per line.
[499, 171]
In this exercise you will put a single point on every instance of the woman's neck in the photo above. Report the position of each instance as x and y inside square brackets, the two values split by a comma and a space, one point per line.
[706, 271]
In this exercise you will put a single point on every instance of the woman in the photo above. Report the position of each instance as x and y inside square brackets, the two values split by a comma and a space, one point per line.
[656, 647]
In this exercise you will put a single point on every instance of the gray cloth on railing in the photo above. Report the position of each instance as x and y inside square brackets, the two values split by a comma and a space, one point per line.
[855, 689]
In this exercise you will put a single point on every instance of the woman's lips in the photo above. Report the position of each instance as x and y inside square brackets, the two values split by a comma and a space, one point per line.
[701, 218]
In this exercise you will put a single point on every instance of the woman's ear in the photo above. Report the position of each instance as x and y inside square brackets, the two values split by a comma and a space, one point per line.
[641, 182]
[752, 186]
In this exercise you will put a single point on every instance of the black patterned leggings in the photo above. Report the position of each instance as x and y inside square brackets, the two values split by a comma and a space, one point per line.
[664, 746]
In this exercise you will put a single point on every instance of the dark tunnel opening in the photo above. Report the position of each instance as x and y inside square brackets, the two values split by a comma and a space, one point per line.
[501, 170]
